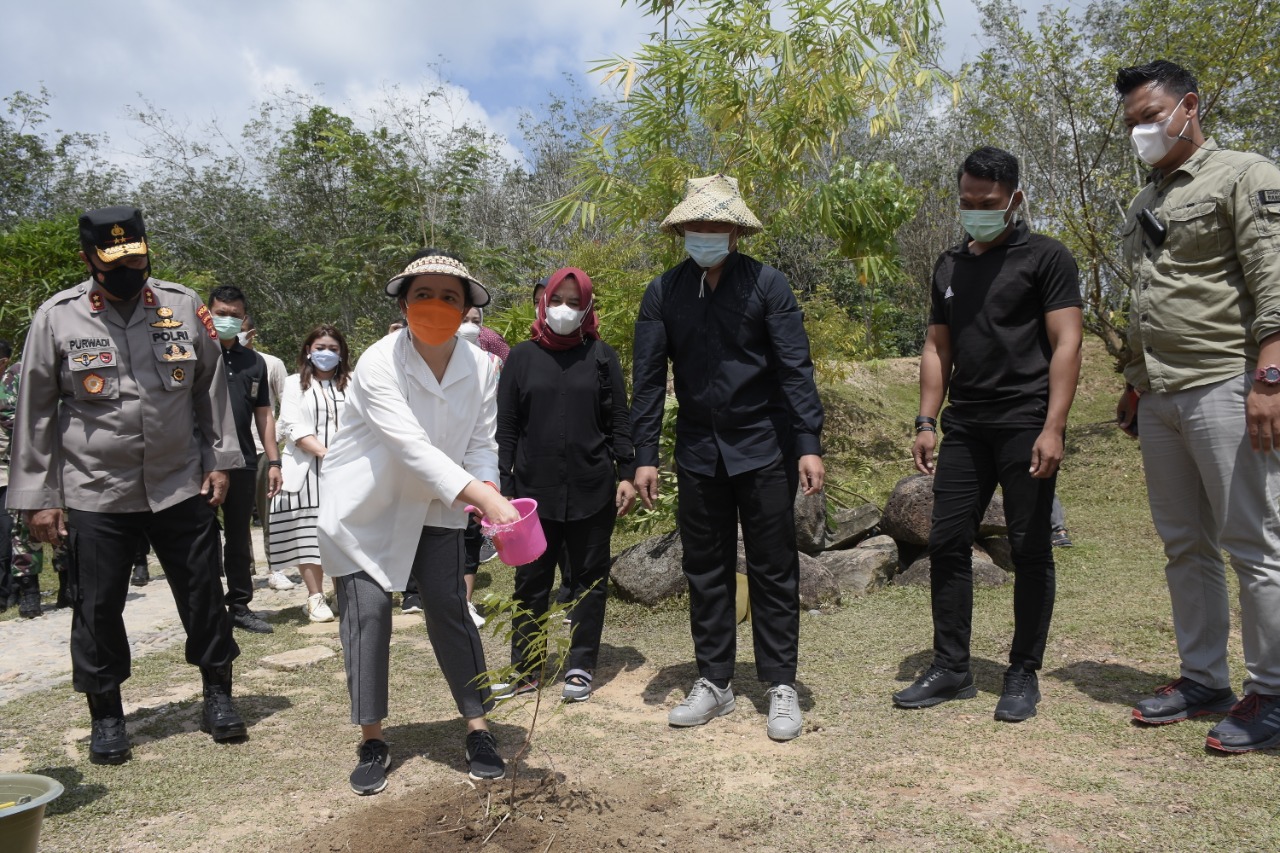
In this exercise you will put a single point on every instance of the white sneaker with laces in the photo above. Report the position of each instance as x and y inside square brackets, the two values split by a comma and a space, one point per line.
[704, 703]
[785, 722]
[475, 615]
[317, 609]
[277, 580]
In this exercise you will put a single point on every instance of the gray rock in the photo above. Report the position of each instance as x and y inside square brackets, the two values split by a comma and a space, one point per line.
[907, 515]
[851, 525]
[993, 523]
[817, 585]
[865, 568]
[297, 658]
[985, 572]
[999, 550]
[811, 522]
[650, 572]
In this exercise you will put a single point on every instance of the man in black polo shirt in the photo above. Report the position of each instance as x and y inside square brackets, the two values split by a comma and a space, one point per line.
[250, 390]
[748, 433]
[1004, 339]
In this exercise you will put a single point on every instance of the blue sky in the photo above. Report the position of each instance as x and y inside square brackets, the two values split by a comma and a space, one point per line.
[206, 61]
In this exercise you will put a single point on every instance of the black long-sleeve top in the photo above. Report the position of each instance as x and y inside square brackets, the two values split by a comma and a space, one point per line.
[564, 429]
[743, 373]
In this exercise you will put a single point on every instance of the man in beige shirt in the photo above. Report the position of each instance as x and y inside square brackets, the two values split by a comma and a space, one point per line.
[124, 419]
[1202, 243]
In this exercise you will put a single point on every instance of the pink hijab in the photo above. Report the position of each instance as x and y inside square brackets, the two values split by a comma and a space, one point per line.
[590, 328]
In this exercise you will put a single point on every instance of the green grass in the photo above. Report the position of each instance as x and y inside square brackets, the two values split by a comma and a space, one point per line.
[863, 776]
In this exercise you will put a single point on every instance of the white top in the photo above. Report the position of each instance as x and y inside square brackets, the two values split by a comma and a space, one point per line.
[407, 447]
[317, 412]
[276, 374]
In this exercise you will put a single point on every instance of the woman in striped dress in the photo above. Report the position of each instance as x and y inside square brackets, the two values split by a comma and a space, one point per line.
[310, 413]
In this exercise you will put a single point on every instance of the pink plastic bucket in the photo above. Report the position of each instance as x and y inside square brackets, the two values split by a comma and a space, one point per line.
[521, 542]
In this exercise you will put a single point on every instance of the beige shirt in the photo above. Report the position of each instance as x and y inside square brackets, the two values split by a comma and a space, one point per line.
[120, 414]
[1203, 299]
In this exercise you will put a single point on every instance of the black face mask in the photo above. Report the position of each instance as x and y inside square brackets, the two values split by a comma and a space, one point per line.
[124, 283]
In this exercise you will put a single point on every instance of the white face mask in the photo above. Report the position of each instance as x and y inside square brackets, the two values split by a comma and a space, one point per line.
[1152, 142]
[707, 250]
[244, 338]
[564, 320]
[469, 332]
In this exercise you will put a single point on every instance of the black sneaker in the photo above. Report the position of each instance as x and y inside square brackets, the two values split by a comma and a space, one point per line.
[219, 717]
[109, 743]
[141, 577]
[487, 551]
[1253, 723]
[1182, 699]
[411, 603]
[1019, 696]
[250, 621]
[370, 775]
[936, 686]
[483, 760]
[1059, 538]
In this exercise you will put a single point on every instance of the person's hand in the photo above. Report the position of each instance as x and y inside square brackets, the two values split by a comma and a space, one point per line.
[1127, 412]
[214, 487]
[497, 509]
[46, 525]
[812, 473]
[1046, 455]
[922, 450]
[646, 482]
[1262, 411]
[275, 481]
[625, 498]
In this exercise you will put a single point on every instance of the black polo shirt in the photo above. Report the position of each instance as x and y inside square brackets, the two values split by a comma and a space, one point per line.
[249, 389]
[994, 306]
[743, 373]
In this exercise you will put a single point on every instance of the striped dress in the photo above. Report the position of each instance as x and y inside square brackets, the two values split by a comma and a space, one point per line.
[317, 412]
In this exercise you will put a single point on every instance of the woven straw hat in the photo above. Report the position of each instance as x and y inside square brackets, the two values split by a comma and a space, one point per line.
[443, 265]
[714, 198]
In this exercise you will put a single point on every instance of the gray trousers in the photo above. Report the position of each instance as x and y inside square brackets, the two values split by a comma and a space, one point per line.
[1210, 492]
[365, 629]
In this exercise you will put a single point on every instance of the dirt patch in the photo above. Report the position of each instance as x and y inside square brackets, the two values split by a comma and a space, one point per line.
[548, 813]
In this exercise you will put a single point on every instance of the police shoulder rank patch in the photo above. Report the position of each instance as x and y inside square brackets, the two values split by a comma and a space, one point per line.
[1269, 196]
[205, 317]
[148, 298]
[93, 383]
[96, 302]
[179, 374]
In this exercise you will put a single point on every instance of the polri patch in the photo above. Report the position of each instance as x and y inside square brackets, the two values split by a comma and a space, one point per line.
[93, 383]
[1269, 196]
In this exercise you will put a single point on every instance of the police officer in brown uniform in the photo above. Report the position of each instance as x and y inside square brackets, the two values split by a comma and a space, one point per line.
[123, 418]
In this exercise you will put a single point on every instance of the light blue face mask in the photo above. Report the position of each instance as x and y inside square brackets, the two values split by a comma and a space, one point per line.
[985, 225]
[707, 250]
[325, 359]
[227, 327]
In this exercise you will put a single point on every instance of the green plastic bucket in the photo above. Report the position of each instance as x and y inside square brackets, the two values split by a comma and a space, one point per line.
[20, 822]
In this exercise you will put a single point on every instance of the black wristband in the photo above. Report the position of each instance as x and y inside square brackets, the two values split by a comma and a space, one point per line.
[933, 422]
[274, 463]
[925, 428]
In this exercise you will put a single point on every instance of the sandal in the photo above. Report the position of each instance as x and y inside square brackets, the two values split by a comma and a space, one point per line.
[577, 686]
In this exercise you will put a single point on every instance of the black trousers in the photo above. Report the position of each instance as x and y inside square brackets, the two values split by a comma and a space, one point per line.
[587, 542]
[710, 510]
[971, 462]
[102, 546]
[237, 553]
[6, 550]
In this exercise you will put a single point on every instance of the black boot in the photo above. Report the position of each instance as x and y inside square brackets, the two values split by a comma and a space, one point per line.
[220, 718]
[110, 742]
[64, 591]
[29, 597]
[141, 577]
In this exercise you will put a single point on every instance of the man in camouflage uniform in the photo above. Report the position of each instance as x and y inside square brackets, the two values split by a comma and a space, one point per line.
[124, 419]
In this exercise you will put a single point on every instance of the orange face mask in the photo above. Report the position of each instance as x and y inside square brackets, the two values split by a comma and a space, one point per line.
[432, 321]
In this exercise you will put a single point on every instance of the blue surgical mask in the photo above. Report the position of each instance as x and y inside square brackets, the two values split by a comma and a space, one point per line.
[227, 327]
[325, 359]
[985, 225]
[707, 250]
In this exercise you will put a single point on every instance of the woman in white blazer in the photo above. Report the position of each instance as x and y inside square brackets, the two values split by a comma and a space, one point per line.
[416, 446]
[311, 409]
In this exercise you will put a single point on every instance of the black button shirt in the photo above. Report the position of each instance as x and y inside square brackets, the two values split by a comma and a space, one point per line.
[564, 430]
[247, 383]
[743, 373]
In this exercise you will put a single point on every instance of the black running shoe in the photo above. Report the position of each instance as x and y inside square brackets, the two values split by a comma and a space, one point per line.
[1182, 699]
[370, 775]
[483, 760]
[936, 686]
[1019, 697]
[1253, 723]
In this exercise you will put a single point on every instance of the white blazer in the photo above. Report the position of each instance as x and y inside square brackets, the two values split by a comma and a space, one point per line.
[407, 447]
[301, 414]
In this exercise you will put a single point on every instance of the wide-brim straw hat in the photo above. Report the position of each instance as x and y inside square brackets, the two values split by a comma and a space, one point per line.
[714, 198]
[442, 265]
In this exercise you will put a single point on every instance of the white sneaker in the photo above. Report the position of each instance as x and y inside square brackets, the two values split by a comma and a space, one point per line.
[785, 721]
[475, 615]
[317, 609]
[279, 581]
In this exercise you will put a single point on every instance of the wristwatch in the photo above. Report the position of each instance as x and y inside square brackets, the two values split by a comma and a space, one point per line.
[275, 463]
[1269, 375]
